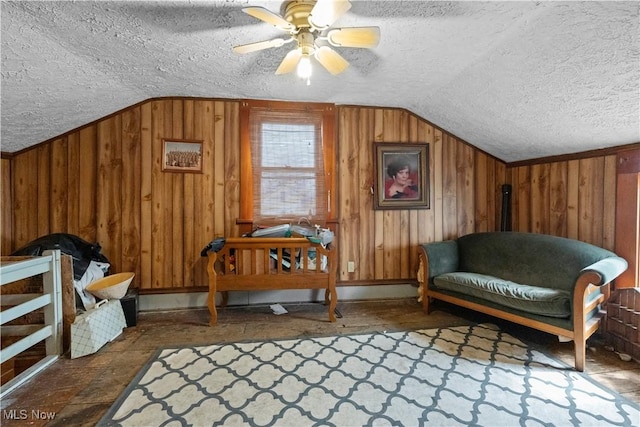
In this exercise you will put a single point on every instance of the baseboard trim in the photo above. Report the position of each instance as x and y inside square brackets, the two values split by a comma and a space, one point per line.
[172, 301]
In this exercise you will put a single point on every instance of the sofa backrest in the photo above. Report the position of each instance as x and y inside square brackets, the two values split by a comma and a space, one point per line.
[528, 258]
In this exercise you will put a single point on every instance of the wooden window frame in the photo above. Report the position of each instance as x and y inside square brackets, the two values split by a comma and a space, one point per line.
[328, 111]
[628, 216]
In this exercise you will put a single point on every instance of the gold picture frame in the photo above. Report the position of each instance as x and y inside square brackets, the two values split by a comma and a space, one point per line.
[402, 176]
[181, 155]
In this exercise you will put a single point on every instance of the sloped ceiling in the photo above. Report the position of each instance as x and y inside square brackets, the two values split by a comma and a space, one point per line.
[519, 80]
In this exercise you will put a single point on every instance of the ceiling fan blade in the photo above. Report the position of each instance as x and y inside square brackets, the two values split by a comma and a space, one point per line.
[326, 12]
[365, 37]
[252, 47]
[289, 62]
[331, 60]
[268, 17]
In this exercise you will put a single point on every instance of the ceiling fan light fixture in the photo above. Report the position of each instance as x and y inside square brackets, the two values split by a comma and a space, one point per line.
[308, 23]
[304, 68]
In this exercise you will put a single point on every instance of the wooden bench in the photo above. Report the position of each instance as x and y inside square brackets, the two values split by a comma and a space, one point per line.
[265, 263]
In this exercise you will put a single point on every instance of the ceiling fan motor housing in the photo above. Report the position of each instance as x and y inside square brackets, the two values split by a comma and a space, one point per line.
[297, 12]
[306, 42]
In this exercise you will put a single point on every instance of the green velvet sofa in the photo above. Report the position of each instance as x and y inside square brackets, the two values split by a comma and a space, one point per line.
[549, 283]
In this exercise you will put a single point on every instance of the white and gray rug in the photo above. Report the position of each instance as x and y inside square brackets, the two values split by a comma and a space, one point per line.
[473, 375]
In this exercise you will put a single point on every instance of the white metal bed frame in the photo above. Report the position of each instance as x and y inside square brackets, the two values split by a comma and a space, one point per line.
[50, 300]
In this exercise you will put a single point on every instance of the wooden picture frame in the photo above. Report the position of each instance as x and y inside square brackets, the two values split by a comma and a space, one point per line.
[402, 176]
[181, 155]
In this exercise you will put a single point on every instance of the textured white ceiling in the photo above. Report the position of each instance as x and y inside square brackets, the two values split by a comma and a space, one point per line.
[519, 80]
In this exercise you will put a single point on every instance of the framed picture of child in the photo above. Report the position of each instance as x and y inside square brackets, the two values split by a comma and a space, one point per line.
[402, 176]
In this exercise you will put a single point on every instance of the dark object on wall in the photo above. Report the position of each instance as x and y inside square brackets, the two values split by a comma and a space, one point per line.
[130, 306]
[505, 220]
[80, 250]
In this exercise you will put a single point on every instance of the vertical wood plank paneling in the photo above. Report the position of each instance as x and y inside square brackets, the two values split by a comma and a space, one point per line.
[501, 178]
[390, 233]
[157, 191]
[104, 183]
[568, 199]
[426, 218]
[206, 212]
[481, 179]
[438, 186]
[165, 185]
[59, 185]
[6, 208]
[609, 203]
[25, 193]
[189, 246]
[494, 190]
[146, 196]
[539, 201]
[597, 207]
[177, 195]
[426, 230]
[586, 200]
[231, 196]
[199, 124]
[88, 181]
[131, 192]
[363, 216]
[510, 178]
[109, 187]
[449, 188]
[348, 169]
[558, 199]
[73, 185]
[43, 189]
[378, 233]
[417, 219]
[219, 174]
[402, 133]
[573, 185]
[524, 199]
[465, 200]
[512, 175]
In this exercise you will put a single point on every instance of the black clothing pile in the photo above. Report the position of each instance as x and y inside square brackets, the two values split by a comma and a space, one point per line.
[80, 250]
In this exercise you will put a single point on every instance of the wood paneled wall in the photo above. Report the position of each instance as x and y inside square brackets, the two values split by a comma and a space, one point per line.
[104, 183]
[574, 198]
[6, 209]
[465, 185]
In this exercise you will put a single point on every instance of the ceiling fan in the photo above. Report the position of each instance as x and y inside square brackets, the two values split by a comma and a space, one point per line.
[309, 23]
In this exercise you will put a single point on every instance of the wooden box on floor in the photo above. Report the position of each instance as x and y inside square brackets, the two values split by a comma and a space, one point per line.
[623, 321]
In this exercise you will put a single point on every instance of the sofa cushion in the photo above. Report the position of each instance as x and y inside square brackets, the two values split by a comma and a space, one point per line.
[531, 299]
[535, 259]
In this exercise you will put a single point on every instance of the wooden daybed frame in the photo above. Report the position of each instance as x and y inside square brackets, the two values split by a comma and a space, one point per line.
[260, 263]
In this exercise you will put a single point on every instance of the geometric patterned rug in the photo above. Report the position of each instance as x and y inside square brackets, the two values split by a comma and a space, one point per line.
[469, 375]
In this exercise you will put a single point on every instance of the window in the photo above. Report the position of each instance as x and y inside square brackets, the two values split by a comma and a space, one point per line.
[287, 162]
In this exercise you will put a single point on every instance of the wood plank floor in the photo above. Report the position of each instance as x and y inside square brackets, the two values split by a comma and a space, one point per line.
[80, 391]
